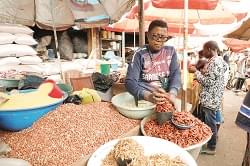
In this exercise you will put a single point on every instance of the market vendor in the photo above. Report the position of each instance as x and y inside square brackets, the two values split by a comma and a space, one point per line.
[154, 69]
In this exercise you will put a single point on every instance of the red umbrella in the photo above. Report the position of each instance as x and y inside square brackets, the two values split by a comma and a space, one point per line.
[192, 4]
[216, 16]
[132, 25]
[237, 45]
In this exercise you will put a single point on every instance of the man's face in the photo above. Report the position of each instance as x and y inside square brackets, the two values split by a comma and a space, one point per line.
[156, 38]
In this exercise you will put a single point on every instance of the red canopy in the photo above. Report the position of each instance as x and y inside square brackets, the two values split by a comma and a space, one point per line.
[132, 25]
[216, 16]
[179, 4]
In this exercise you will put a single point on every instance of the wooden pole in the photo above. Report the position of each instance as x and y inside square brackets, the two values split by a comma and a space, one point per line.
[123, 49]
[56, 41]
[185, 72]
[141, 23]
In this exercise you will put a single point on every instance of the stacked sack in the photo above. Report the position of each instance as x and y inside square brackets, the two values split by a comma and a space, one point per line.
[16, 43]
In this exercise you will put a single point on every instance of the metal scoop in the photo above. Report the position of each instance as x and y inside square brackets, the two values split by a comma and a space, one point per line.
[182, 126]
[162, 117]
[122, 162]
[136, 102]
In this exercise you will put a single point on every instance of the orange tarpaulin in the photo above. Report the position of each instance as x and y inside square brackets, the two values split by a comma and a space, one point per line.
[192, 4]
[242, 33]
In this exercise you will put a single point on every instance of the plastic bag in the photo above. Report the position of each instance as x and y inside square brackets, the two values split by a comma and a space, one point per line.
[75, 99]
[30, 82]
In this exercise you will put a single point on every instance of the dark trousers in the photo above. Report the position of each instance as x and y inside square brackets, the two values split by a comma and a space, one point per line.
[210, 120]
[239, 83]
[246, 160]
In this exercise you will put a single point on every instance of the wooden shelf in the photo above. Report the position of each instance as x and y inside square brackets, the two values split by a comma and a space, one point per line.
[103, 49]
[110, 39]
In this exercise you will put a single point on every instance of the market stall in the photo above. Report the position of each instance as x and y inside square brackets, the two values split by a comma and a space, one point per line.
[71, 133]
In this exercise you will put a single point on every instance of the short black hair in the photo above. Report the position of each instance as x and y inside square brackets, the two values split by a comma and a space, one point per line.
[212, 45]
[200, 53]
[157, 23]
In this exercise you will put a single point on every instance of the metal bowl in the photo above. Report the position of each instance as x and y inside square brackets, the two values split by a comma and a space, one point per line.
[194, 150]
[181, 126]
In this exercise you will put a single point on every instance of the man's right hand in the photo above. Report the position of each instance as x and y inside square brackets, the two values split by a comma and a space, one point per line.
[158, 96]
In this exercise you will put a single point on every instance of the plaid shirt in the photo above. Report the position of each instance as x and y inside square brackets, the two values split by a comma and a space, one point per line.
[212, 83]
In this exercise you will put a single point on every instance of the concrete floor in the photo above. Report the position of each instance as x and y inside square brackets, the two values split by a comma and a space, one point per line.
[232, 140]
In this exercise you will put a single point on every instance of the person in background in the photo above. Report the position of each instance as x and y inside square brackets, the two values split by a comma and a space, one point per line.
[201, 67]
[212, 89]
[192, 59]
[226, 57]
[243, 121]
[240, 74]
[154, 69]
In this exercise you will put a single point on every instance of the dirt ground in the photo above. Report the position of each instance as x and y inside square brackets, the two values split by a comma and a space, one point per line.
[232, 140]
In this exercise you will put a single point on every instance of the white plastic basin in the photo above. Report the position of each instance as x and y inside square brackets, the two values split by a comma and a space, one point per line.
[125, 104]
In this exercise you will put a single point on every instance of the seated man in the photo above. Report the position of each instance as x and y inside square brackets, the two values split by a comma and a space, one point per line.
[154, 69]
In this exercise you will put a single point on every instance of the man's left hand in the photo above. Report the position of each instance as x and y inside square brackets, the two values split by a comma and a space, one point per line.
[172, 98]
[192, 69]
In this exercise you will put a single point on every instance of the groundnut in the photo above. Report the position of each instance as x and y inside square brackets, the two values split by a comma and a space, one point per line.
[68, 133]
[184, 138]
[183, 118]
[165, 107]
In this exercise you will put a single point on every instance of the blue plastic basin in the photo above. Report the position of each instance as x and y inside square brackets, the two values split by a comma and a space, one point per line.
[19, 119]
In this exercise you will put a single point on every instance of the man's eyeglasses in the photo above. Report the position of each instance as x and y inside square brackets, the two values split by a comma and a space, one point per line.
[158, 37]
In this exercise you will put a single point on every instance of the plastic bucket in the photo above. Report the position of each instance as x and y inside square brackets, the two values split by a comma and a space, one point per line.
[105, 69]
[114, 67]
[51, 54]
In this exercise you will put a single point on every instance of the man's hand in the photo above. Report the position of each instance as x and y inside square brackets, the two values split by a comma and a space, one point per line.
[158, 96]
[192, 69]
[173, 100]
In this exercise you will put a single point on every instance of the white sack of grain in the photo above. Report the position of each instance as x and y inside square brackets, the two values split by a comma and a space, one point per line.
[30, 60]
[25, 39]
[16, 50]
[15, 28]
[7, 38]
[9, 61]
